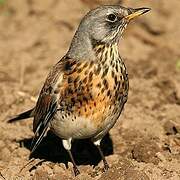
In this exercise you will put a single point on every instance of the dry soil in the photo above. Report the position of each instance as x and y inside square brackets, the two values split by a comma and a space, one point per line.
[145, 142]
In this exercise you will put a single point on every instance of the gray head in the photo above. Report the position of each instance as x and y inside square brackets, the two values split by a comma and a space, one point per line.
[103, 25]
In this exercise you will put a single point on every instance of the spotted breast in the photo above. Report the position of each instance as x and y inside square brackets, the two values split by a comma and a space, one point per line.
[90, 94]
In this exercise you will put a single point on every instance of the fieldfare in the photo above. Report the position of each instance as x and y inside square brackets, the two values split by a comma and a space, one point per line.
[85, 92]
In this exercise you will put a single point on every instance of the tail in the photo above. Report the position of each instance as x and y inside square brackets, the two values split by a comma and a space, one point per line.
[24, 115]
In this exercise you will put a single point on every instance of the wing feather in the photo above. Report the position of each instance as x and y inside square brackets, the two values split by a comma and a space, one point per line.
[45, 110]
[47, 103]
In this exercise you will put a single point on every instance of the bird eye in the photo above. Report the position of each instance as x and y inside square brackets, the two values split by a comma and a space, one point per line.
[112, 17]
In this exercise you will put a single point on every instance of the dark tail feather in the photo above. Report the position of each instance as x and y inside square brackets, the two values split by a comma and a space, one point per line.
[24, 115]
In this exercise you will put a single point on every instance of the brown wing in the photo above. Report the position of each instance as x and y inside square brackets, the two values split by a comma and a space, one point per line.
[44, 112]
[46, 105]
[48, 100]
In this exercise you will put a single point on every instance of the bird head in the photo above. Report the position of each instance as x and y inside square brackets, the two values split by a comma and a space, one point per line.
[103, 25]
[107, 23]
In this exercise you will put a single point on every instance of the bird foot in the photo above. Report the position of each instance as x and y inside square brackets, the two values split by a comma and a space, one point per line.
[106, 166]
[76, 171]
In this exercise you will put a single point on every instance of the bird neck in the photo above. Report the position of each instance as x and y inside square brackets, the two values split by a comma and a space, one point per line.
[107, 53]
[81, 47]
[84, 48]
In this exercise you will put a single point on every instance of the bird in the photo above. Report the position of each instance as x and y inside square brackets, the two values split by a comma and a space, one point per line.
[85, 92]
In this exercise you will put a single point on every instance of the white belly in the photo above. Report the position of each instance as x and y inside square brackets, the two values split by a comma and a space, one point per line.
[79, 128]
[69, 127]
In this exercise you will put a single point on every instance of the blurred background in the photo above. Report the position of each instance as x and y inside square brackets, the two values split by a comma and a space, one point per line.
[34, 35]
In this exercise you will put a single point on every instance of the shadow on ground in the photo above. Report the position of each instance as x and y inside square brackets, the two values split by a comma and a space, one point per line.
[84, 151]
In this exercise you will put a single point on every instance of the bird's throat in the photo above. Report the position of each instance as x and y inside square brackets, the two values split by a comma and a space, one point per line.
[107, 53]
[84, 48]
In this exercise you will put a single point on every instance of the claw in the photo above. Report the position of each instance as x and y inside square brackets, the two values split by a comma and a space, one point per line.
[76, 170]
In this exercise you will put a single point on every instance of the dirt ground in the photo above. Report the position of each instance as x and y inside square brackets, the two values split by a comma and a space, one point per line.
[145, 142]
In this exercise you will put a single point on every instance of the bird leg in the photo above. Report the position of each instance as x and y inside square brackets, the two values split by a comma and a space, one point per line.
[97, 143]
[67, 146]
[106, 166]
[76, 170]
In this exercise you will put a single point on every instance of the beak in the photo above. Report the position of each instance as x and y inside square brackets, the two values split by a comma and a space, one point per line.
[136, 12]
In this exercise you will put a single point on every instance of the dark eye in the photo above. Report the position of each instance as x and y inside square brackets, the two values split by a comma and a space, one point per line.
[112, 17]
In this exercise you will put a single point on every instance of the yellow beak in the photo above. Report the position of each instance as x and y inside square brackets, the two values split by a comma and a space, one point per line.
[137, 12]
